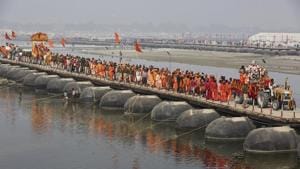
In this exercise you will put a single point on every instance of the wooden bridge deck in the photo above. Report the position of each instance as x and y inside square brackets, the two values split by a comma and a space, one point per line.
[265, 116]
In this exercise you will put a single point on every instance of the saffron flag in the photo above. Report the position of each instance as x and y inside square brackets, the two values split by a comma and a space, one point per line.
[138, 47]
[117, 38]
[7, 37]
[50, 43]
[13, 34]
[63, 42]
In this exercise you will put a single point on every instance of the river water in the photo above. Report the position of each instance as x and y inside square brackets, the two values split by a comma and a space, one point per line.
[43, 131]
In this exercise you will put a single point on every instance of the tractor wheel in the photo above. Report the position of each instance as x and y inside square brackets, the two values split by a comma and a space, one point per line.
[276, 105]
[263, 99]
[239, 99]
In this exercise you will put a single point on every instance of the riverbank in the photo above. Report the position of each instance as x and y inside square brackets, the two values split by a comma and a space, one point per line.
[281, 64]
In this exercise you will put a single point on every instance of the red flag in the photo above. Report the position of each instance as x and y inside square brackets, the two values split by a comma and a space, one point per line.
[138, 47]
[117, 38]
[50, 43]
[63, 42]
[7, 37]
[13, 34]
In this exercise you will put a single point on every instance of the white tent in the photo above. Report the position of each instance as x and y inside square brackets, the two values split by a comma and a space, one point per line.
[275, 39]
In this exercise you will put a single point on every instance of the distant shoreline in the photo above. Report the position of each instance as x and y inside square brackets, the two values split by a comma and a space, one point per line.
[273, 51]
[282, 64]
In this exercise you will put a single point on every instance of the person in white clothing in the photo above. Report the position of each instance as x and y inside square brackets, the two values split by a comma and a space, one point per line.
[158, 81]
[138, 75]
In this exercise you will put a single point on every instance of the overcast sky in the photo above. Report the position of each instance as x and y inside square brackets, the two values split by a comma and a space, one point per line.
[234, 13]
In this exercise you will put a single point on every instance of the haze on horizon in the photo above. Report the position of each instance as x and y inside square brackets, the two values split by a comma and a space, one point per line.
[265, 14]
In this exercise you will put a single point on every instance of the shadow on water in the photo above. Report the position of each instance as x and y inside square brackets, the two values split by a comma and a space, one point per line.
[144, 143]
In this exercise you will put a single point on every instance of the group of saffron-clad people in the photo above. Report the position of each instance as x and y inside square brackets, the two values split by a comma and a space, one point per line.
[188, 82]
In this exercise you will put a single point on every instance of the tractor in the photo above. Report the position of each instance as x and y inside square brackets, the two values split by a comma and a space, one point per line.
[283, 98]
[280, 98]
[261, 90]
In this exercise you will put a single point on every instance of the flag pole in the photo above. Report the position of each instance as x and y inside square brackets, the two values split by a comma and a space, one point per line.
[170, 60]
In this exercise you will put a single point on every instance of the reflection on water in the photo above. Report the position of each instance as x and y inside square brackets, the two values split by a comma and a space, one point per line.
[41, 133]
[278, 161]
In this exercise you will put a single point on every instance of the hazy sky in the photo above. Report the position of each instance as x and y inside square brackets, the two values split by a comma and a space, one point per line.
[234, 13]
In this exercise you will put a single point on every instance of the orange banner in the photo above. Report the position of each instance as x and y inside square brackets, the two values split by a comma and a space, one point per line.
[117, 38]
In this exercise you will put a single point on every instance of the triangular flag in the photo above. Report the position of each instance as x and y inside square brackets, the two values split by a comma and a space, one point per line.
[63, 42]
[51, 43]
[117, 38]
[7, 37]
[13, 34]
[138, 47]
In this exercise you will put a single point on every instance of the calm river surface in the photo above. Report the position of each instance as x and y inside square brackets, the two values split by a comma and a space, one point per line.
[41, 131]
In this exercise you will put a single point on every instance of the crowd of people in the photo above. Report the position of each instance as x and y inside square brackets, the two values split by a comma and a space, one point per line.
[11, 51]
[181, 81]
